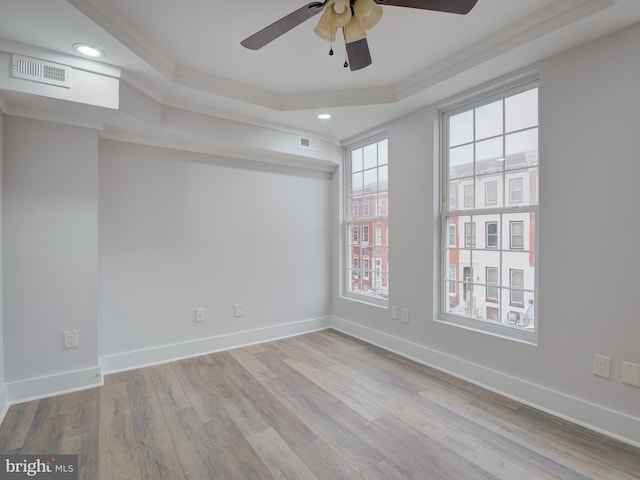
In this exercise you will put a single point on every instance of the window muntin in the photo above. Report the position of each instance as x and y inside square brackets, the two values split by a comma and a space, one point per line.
[490, 159]
[366, 181]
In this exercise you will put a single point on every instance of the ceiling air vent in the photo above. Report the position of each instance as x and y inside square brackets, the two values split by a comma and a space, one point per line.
[308, 143]
[40, 71]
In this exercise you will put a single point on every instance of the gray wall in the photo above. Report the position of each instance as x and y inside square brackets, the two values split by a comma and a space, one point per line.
[589, 226]
[50, 247]
[179, 231]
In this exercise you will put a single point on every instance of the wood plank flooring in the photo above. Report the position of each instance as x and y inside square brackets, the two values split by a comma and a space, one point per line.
[317, 406]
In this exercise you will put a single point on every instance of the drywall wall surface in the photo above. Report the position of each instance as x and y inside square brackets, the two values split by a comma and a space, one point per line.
[180, 231]
[588, 259]
[50, 228]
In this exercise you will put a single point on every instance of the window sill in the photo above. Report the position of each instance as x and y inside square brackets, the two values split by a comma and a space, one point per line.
[490, 328]
[372, 302]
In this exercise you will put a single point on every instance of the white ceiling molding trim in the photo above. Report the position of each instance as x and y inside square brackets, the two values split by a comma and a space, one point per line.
[118, 27]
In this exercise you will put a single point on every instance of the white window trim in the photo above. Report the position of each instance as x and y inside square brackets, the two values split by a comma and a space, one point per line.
[484, 96]
[344, 292]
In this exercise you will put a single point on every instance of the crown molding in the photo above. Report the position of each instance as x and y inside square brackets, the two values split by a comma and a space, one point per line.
[126, 33]
[536, 25]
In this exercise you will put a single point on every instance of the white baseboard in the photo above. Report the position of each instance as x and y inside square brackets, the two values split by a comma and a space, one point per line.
[35, 388]
[177, 351]
[4, 402]
[612, 423]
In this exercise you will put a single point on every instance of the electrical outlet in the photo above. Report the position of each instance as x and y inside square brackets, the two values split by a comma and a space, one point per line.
[394, 312]
[71, 339]
[238, 310]
[404, 315]
[601, 366]
[199, 315]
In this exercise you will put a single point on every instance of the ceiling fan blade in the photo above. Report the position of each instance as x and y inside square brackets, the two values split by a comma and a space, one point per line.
[358, 54]
[282, 26]
[450, 6]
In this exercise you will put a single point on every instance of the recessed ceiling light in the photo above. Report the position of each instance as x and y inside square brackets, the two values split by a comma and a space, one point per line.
[324, 116]
[88, 50]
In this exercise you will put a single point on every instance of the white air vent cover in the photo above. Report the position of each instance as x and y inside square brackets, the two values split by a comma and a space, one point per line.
[308, 143]
[40, 71]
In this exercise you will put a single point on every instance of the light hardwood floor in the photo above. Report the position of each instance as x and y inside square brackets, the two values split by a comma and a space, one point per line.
[320, 405]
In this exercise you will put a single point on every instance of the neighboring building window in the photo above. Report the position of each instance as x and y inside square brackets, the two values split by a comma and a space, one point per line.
[517, 234]
[452, 276]
[452, 235]
[492, 234]
[492, 279]
[516, 285]
[366, 184]
[469, 234]
[356, 267]
[491, 192]
[492, 143]
[468, 196]
[516, 192]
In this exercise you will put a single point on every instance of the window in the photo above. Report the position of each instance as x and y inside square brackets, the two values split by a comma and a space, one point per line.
[452, 235]
[366, 185]
[490, 151]
[468, 196]
[491, 192]
[452, 283]
[469, 235]
[365, 234]
[516, 284]
[492, 279]
[517, 234]
[452, 196]
[492, 234]
[515, 190]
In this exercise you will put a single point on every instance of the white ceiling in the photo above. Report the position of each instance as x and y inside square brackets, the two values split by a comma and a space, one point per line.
[187, 53]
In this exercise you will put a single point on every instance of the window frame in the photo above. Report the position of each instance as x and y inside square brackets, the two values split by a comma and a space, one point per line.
[372, 287]
[471, 101]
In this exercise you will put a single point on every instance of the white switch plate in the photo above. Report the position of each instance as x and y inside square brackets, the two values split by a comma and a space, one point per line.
[394, 312]
[71, 339]
[238, 310]
[404, 315]
[199, 315]
[631, 373]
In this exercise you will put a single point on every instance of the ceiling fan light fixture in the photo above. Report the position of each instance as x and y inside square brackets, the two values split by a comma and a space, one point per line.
[338, 12]
[324, 29]
[368, 12]
[353, 31]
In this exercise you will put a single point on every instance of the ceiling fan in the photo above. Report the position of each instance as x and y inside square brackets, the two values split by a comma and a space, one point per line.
[354, 17]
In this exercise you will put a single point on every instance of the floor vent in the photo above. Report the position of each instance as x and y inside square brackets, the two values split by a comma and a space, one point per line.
[40, 71]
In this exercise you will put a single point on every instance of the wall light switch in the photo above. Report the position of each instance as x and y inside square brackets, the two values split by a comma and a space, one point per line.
[404, 315]
[199, 315]
[631, 373]
[238, 310]
[394, 312]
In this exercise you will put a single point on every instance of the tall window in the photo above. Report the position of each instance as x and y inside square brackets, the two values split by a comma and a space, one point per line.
[490, 153]
[366, 178]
